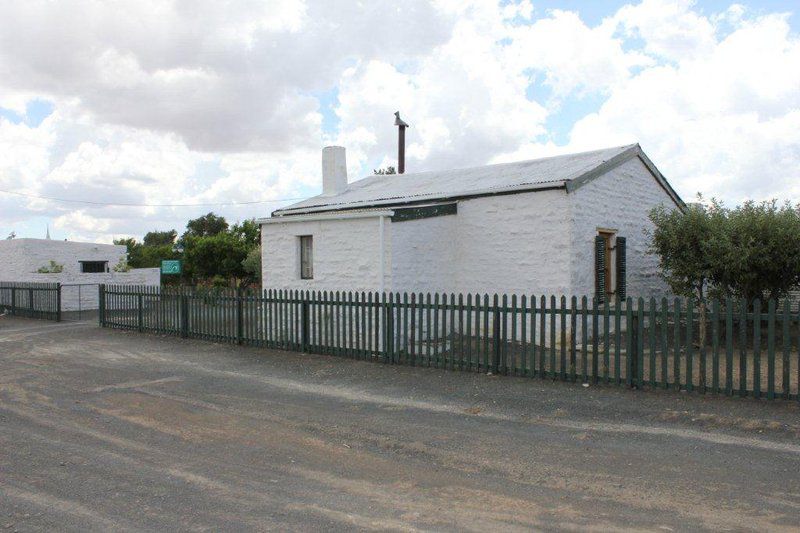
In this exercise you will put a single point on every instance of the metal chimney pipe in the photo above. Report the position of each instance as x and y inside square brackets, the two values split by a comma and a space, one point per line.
[401, 142]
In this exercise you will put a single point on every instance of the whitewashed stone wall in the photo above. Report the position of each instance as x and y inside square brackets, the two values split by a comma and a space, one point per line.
[532, 243]
[504, 244]
[497, 244]
[425, 254]
[619, 200]
[346, 254]
[21, 258]
[517, 243]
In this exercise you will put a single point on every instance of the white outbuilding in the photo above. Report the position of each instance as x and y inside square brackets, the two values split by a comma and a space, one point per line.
[78, 266]
[571, 224]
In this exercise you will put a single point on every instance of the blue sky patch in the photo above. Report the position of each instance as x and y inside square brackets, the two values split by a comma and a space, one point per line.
[35, 113]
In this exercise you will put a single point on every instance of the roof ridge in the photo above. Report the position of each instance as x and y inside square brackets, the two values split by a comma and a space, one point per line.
[621, 148]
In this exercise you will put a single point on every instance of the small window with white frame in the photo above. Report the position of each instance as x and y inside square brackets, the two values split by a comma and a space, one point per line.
[306, 257]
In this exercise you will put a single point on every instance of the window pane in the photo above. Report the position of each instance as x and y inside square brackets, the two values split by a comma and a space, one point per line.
[94, 267]
[306, 257]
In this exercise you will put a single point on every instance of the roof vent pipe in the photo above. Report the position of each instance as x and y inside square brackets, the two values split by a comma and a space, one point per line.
[401, 142]
[334, 170]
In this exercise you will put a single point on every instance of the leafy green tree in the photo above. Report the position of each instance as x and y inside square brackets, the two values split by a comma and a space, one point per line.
[206, 226]
[160, 238]
[216, 255]
[752, 251]
[151, 256]
[687, 244]
[252, 263]
[212, 251]
[681, 240]
[249, 231]
[760, 251]
[134, 250]
[383, 171]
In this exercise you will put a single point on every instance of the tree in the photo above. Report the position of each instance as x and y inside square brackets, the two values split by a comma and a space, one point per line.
[683, 241]
[206, 226]
[252, 263]
[249, 231]
[216, 255]
[383, 171]
[134, 250]
[160, 238]
[761, 254]
[752, 251]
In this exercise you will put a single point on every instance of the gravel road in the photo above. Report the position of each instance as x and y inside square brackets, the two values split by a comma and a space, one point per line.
[109, 430]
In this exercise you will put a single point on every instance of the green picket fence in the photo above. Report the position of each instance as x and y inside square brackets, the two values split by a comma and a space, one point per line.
[749, 349]
[31, 300]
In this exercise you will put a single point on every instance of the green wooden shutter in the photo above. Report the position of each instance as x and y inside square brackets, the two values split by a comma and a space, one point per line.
[622, 270]
[600, 269]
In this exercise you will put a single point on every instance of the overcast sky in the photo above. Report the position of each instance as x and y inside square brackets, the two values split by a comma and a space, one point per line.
[186, 102]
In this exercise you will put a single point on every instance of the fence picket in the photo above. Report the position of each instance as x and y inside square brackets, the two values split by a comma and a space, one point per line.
[757, 348]
[584, 340]
[771, 349]
[743, 349]
[454, 332]
[595, 339]
[787, 346]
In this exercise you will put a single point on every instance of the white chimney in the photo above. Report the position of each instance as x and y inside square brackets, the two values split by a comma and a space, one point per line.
[334, 170]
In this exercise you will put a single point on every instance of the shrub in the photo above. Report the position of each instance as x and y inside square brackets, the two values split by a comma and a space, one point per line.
[51, 268]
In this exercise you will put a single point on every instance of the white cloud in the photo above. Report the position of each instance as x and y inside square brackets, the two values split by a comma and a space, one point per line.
[224, 77]
[194, 102]
[723, 122]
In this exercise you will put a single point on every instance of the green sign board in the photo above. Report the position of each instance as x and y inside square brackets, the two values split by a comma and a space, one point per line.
[171, 266]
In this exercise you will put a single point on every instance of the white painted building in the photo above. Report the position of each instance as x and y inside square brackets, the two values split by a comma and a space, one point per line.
[529, 227]
[82, 263]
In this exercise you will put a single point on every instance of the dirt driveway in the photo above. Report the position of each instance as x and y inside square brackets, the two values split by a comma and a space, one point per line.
[103, 430]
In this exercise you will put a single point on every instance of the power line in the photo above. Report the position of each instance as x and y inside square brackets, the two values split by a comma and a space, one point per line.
[111, 204]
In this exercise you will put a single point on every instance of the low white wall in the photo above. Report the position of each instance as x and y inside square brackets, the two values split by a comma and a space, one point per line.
[21, 257]
[86, 295]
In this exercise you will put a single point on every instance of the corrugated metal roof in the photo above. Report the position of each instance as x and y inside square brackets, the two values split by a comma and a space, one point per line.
[393, 189]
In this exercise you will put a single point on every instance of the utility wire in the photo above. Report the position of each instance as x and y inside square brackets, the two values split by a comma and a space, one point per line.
[111, 204]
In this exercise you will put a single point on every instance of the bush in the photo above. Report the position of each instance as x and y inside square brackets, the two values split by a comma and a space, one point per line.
[51, 268]
[122, 266]
[752, 251]
[252, 263]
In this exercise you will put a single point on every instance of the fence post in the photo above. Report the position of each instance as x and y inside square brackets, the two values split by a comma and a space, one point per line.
[239, 317]
[13, 301]
[184, 315]
[496, 336]
[304, 331]
[58, 302]
[140, 312]
[101, 308]
[390, 329]
[30, 303]
[633, 356]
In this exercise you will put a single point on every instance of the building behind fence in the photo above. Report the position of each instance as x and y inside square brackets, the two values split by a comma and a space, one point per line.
[75, 265]
[750, 350]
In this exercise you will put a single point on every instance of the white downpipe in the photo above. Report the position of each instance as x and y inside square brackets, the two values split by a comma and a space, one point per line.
[382, 252]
